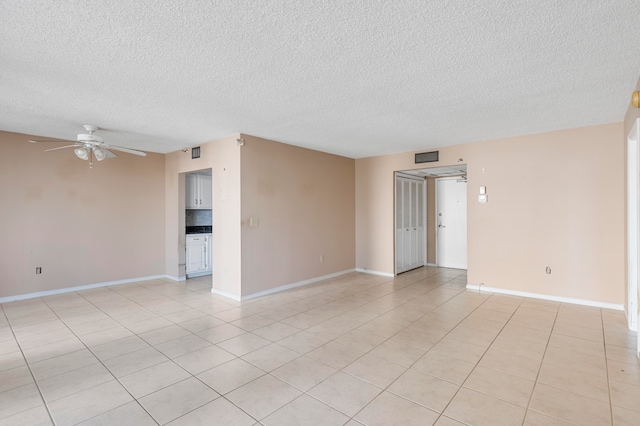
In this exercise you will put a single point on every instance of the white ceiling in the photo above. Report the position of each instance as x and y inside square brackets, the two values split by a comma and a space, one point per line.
[355, 78]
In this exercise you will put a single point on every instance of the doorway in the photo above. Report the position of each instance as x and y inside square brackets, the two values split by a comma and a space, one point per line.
[451, 223]
[198, 223]
[426, 238]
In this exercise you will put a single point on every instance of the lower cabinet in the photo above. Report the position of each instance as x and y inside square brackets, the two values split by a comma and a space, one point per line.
[198, 255]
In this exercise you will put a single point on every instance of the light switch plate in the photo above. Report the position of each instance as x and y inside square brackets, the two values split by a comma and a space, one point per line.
[482, 198]
[483, 190]
[253, 222]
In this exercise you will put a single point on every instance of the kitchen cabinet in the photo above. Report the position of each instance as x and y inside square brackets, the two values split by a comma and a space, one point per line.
[198, 255]
[198, 191]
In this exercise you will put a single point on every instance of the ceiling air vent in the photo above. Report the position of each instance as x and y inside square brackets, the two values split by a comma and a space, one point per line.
[195, 152]
[427, 157]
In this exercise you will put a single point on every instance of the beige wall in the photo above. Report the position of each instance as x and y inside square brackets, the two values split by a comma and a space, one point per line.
[555, 199]
[304, 203]
[223, 158]
[82, 226]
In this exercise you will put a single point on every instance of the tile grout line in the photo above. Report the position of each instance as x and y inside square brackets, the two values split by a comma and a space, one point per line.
[365, 353]
[418, 279]
[606, 366]
[301, 355]
[169, 359]
[35, 382]
[389, 338]
[93, 353]
[340, 299]
[604, 358]
[97, 358]
[136, 334]
[483, 354]
[535, 383]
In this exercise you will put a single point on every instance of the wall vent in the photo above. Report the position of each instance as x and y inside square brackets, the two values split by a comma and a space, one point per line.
[427, 157]
[195, 152]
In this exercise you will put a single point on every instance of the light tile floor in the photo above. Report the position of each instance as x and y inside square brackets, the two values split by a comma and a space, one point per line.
[358, 349]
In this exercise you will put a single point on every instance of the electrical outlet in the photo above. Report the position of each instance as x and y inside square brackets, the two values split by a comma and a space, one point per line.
[548, 270]
[38, 270]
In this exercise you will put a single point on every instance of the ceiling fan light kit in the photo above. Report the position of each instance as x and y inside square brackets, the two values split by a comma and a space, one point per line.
[89, 145]
[99, 153]
[82, 153]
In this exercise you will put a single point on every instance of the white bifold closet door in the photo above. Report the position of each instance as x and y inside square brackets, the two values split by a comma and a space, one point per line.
[410, 223]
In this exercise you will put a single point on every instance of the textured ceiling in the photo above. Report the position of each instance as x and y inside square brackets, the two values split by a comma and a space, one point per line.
[355, 78]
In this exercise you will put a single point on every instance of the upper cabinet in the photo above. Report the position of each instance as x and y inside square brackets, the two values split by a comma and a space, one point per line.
[198, 191]
[191, 188]
[206, 192]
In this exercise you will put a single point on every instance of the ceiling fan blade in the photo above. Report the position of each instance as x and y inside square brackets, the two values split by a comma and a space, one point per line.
[61, 147]
[47, 141]
[109, 153]
[127, 150]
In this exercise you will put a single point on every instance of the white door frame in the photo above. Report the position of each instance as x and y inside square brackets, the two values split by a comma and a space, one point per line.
[182, 191]
[436, 217]
[633, 219]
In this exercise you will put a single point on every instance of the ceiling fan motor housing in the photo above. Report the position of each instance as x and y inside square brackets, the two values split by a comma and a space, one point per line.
[83, 137]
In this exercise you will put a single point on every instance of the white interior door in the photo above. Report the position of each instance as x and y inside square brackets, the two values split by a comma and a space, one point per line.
[418, 239]
[451, 222]
[410, 229]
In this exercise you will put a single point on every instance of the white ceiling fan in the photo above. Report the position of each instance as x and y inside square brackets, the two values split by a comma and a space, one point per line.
[89, 145]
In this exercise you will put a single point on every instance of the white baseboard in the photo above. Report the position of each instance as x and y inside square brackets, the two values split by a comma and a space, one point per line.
[199, 274]
[296, 284]
[171, 277]
[372, 272]
[546, 297]
[225, 294]
[632, 322]
[431, 264]
[79, 288]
